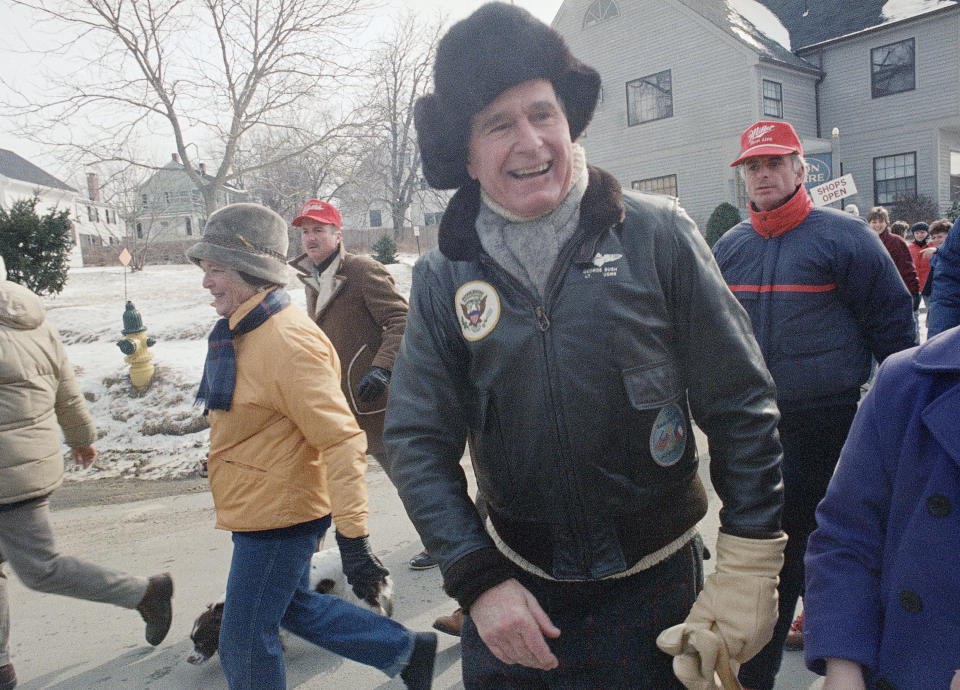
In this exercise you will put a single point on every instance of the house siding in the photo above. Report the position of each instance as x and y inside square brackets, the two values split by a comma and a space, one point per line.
[717, 92]
[925, 120]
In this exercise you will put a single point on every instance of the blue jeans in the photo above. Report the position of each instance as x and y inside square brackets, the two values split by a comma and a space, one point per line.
[269, 587]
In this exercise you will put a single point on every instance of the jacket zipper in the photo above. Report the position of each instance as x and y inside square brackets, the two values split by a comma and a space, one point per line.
[541, 312]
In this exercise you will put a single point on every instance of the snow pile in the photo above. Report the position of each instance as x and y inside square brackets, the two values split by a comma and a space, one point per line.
[155, 433]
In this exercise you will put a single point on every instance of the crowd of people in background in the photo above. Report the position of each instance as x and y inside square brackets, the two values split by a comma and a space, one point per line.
[571, 332]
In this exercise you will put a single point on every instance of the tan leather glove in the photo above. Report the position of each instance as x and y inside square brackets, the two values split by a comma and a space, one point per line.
[740, 597]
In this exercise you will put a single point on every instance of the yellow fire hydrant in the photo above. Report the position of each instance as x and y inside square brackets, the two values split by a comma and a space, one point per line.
[135, 346]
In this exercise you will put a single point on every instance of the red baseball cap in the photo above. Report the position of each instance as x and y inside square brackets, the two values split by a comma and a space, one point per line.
[768, 138]
[320, 211]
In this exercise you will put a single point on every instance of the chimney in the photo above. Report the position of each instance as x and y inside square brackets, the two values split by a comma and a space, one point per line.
[93, 186]
[175, 157]
[203, 168]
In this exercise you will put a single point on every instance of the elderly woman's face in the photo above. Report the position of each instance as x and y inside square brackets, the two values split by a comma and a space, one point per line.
[229, 290]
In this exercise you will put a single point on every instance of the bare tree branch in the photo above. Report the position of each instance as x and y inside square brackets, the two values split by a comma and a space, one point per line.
[208, 72]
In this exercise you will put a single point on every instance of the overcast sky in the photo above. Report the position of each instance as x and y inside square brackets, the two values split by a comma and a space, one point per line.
[17, 31]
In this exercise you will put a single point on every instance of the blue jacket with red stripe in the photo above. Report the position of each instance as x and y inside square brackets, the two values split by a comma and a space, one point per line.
[823, 296]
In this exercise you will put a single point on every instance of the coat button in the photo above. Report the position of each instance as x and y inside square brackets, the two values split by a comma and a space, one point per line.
[938, 505]
[910, 601]
[884, 684]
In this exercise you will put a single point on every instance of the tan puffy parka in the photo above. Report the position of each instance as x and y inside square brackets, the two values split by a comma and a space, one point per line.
[38, 392]
[288, 450]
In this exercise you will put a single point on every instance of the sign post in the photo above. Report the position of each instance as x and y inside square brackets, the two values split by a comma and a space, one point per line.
[124, 259]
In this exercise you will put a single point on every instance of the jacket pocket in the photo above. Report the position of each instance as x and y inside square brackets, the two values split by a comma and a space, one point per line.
[650, 446]
[652, 385]
[243, 466]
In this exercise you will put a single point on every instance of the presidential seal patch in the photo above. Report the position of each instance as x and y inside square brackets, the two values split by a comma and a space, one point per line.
[478, 309]
[668, 438]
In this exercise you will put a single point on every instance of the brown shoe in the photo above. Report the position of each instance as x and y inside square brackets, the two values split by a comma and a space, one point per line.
[452, 624]
[8, 679]
[155, 607]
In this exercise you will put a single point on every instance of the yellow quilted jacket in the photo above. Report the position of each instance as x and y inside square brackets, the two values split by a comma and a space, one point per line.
[288, 450]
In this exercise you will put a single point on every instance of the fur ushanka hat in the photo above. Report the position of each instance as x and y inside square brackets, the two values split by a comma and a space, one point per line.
[480, 57]
[247, 237]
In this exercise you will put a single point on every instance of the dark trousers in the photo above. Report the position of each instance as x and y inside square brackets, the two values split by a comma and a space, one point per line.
[812, 440]
[608, 630]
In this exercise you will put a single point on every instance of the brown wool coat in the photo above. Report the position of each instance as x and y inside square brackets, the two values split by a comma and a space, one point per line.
[364, 320]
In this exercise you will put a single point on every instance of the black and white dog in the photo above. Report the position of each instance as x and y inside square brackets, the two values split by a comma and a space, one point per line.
[326, 577]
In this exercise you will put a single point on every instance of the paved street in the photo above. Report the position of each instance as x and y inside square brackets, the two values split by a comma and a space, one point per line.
[70, 644]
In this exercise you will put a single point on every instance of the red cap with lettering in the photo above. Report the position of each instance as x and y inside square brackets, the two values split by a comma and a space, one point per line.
[768, 138]
[320, 211]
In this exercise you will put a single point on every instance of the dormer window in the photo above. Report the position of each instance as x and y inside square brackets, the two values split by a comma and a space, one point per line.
[599, 11]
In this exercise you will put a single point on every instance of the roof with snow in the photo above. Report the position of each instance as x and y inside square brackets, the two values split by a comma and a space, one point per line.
[815, 21]
[18, 168]
[727, 15]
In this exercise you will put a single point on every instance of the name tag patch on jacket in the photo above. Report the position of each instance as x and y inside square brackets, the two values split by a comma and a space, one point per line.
[478, 309]
[668, 438]
[603, 265]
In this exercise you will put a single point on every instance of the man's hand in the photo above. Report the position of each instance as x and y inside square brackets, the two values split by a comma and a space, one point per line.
[928, 251]
[740, 598]
[512, 624]
[83, 456]
[373, 384]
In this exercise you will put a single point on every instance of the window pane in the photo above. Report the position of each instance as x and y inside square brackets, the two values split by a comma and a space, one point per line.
[772, 98]
[955, 176]
[657, 185]
[892, 68]
[894, 176]
[598, 11]
[375, 219]
[650, 98]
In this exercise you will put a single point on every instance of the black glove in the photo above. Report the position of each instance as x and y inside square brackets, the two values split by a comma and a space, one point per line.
[916, 301]
[363, 569]
[373, 384]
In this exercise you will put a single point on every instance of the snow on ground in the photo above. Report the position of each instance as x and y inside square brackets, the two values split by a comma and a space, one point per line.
[156, 433]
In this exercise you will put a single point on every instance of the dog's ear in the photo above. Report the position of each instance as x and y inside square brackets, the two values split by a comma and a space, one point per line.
[325, 586]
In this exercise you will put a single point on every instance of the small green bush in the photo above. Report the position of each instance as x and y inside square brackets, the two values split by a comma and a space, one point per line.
[36, 248]
[385, 250]
[724, 217]
[953, 212]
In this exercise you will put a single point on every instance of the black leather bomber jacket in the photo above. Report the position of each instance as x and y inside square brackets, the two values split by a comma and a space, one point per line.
[579, 404]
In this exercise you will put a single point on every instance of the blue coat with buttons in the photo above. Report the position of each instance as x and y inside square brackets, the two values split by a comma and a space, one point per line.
[883, 566]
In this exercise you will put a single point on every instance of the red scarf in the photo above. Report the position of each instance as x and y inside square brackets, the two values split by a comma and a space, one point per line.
[783, 218]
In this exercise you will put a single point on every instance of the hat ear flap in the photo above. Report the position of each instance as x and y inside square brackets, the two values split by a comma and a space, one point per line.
[579, 89]
[441, 141]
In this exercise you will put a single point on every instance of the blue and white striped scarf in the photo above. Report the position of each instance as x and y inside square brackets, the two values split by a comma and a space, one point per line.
[220, 367]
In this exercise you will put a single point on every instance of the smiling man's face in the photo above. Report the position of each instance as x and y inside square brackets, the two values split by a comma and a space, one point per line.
[520, 149]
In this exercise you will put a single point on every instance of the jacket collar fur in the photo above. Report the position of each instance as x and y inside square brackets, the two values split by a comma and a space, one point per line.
[601, 207]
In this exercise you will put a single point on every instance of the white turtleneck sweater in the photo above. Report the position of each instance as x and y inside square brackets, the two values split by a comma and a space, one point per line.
[528, 248]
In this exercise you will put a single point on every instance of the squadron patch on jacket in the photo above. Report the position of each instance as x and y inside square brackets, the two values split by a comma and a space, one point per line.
[668, 438]
[478, 309]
